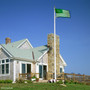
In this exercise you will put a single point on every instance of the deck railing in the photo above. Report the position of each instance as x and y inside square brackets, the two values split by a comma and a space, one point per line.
[28, 76]
[68, 76]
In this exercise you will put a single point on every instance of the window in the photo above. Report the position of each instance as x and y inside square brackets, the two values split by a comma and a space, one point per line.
[3, 61]
[40, 71]
[7, 60]
[4, 66]
[2, 69]
[7, 68]
[23, 68]
[60, 70]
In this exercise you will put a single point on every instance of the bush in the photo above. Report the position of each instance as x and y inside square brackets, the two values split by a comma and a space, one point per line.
[20, 81]
[28, 81]
[8, 81]
[66, 82]
[71, 82]
[33, 77]
[5, 81]
[60, 82]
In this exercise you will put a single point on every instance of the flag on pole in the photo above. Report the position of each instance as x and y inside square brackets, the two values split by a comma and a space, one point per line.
[62, 13]
[58, 13]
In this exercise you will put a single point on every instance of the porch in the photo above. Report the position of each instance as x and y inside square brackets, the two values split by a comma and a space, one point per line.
[60, 76]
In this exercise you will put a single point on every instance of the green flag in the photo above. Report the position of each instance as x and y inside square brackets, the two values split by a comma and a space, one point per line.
[62, 13]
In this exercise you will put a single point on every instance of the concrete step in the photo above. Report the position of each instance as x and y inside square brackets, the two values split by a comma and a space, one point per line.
[41, 81]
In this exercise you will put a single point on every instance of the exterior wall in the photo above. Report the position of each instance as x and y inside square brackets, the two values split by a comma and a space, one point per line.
[25, 46]
[45, 59]
[51, 54]
[33, 68]
[3, 54]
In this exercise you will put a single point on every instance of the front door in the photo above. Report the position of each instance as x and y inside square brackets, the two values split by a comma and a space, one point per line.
[28, 68]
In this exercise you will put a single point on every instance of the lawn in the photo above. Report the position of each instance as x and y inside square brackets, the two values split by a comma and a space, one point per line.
[42, 86]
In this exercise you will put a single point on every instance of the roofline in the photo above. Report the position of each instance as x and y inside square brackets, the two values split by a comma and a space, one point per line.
[6, 51]
[22, 59]
[24, 42]
[29, 43]
[42, 55]
[63, 60]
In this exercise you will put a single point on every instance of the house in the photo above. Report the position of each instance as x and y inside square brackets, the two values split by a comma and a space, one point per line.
[21, 57]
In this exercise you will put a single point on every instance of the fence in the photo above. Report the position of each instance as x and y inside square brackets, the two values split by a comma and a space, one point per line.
[68, 76]
[28, 76]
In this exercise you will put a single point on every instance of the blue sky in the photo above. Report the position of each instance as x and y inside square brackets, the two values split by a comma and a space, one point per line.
[33, 19]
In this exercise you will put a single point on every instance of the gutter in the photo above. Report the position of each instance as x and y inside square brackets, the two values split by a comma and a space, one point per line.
[22, 59]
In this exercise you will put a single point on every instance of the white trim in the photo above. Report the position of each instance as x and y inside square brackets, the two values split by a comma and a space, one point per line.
[43, 65]
[29, 43]
[62, 68]
[24, 62]
[42, 55]
[14, 70]
[21, 43]
[22, 59]
[6, 51]
[63, 60]
[24, 42]
[20, 67]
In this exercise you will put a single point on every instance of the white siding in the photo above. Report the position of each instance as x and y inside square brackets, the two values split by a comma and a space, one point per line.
[45, 59]
[3, 54]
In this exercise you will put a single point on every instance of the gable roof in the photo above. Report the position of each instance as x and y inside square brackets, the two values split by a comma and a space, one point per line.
[25, 53]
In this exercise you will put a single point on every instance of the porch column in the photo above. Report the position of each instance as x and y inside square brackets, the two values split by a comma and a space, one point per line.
[42, 68]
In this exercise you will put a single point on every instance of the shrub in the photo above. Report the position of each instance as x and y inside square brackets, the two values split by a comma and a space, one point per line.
[60, 82]
[20, 81]
[33, 77]
[71, 82]
[5, 81]
[66, 82]
[28, 81]
[8, 81]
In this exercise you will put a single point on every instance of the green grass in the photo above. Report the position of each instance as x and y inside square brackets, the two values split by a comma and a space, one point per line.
[43, 86]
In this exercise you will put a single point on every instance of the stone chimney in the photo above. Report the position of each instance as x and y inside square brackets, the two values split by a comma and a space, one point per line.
[50, 43]
[7, 40]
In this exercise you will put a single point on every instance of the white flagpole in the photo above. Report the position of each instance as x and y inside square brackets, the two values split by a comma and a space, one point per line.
[55, 43]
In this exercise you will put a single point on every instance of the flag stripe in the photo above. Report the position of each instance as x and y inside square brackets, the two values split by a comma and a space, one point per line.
[62, 13]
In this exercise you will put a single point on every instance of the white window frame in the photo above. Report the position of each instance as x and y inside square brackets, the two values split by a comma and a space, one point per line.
[5, 64]
[43, 65]
[62, 68]
[23, 62]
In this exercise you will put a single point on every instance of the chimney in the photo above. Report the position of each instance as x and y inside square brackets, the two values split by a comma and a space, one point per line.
[7, 40]
[50, 43]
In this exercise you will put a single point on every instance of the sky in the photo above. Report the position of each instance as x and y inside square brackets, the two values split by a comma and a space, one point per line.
[34, 19]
